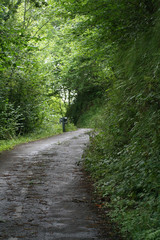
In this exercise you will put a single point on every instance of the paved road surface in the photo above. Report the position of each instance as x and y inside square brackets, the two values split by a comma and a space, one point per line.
[43, 193]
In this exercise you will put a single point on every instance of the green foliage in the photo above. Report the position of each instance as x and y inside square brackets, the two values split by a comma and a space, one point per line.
[92, 117]
[124, 158]
[97, 62]
[9, 120]
[83, 102]
[23, 72]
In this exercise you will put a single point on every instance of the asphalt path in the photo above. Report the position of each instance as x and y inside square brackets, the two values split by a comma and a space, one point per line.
[44, 194]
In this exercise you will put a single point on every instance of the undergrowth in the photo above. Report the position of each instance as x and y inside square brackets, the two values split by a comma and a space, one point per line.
[92, 118]
[123, 158]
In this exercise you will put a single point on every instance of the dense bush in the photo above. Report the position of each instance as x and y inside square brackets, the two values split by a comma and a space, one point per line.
[124, 158]
[23, 87]
[9, 120]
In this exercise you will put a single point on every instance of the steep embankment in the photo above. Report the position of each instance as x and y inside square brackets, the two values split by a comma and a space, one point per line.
[124, 158]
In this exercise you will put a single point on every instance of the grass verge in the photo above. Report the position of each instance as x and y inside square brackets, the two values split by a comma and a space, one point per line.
[37, 135]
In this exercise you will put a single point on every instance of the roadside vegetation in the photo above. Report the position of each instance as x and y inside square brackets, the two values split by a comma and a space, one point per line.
[98, 63]
[30, 106]
[45, 132]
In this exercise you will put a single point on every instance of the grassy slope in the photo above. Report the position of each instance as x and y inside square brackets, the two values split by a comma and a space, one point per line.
[124, 158]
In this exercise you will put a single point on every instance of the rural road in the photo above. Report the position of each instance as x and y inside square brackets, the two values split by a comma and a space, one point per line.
[44, 193]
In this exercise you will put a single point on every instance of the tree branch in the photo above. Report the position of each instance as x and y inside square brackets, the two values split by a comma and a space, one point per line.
[41, 28]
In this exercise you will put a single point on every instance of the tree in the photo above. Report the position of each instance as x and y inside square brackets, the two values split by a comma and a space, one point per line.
[22, 87]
